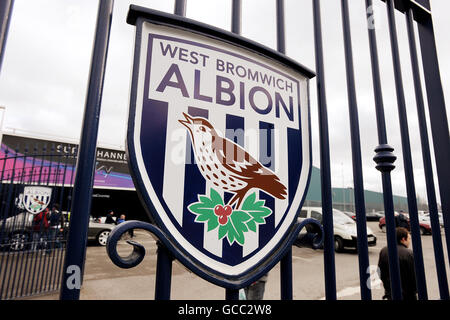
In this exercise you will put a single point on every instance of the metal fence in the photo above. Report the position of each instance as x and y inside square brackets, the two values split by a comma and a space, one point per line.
[415, 13]
[32, 250]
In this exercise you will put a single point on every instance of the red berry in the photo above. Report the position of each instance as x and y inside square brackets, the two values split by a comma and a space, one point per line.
[218, 210]
[223, 213]
[228, 210]
[223, 220]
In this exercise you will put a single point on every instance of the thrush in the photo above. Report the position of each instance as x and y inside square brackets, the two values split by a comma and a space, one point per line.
[227, 165]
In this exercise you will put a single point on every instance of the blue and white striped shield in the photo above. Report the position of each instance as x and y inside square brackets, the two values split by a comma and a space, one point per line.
[35, 198]
[218, 142]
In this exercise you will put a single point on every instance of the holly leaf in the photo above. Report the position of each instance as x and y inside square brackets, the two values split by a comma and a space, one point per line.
[256, 210]
[204, 209]
[235, 227]
[253, 212]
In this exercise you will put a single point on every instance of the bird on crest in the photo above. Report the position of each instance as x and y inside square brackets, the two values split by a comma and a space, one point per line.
[227, 165]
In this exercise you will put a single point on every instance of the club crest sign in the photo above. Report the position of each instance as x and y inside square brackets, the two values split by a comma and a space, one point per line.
[218, 142]
[36, 199]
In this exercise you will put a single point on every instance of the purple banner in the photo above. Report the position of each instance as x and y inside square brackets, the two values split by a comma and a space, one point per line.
[30, 160]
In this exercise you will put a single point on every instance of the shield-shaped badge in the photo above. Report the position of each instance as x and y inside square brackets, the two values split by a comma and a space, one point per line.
[218, 143]
[35, 199]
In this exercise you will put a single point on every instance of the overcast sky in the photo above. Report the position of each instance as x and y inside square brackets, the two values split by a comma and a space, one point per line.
[44, 75]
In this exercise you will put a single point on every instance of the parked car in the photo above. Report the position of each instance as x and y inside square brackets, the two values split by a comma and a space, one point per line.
[370, 215]
[350, 214]
[16, 232]
[425, 216]
[345, 234]
[374, 215]
[425, 227]
[99, 231]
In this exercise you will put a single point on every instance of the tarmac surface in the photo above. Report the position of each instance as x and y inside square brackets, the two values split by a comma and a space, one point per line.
[105, 281]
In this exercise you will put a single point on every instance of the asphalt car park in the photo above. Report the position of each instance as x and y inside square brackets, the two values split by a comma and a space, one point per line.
[104, 280]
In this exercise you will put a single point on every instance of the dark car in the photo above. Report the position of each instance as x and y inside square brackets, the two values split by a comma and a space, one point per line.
[370, 216]
[425, 227]
[374, 215]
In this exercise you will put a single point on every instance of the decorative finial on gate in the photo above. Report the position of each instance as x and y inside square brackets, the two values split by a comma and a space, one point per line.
[384, 158]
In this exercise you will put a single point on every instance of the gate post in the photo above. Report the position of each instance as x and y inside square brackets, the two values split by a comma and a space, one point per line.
[438, 114]
[85, 169]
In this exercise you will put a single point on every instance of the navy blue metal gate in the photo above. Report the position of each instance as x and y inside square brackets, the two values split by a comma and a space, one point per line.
[34, 182]
[415, 12]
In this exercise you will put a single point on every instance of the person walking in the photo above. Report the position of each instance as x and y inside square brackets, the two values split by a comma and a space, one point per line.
[121, 219]
[406, 263]
[56, 226]
[110, 217]
[255, 291]
[401, 220]
[40, 226]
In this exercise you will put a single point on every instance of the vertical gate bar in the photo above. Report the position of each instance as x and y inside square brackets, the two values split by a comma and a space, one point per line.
[53, 240]
[34, 251]
[54, 265]
[385, 166]
[163, 273]
[431, 192]
[53, 280]
[286, 261]
[82, 194]
[325, 172]
[72, 175]
[407, 161]
[180, 7]
[41, 166]
[236, 27]
[360, 207]
[232, 294]
[236, 16]
[286, 276]
[25, 270]
[438, 116]
[281, 38]
[379, 105]
[48, 240]
[61, 201]
[6, 7]
[41, 235]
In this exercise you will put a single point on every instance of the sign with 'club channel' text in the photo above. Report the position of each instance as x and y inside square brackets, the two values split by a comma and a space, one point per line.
[218, 143]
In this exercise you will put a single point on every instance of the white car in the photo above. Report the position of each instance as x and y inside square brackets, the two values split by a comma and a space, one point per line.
[344, 228]
[425, 216]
